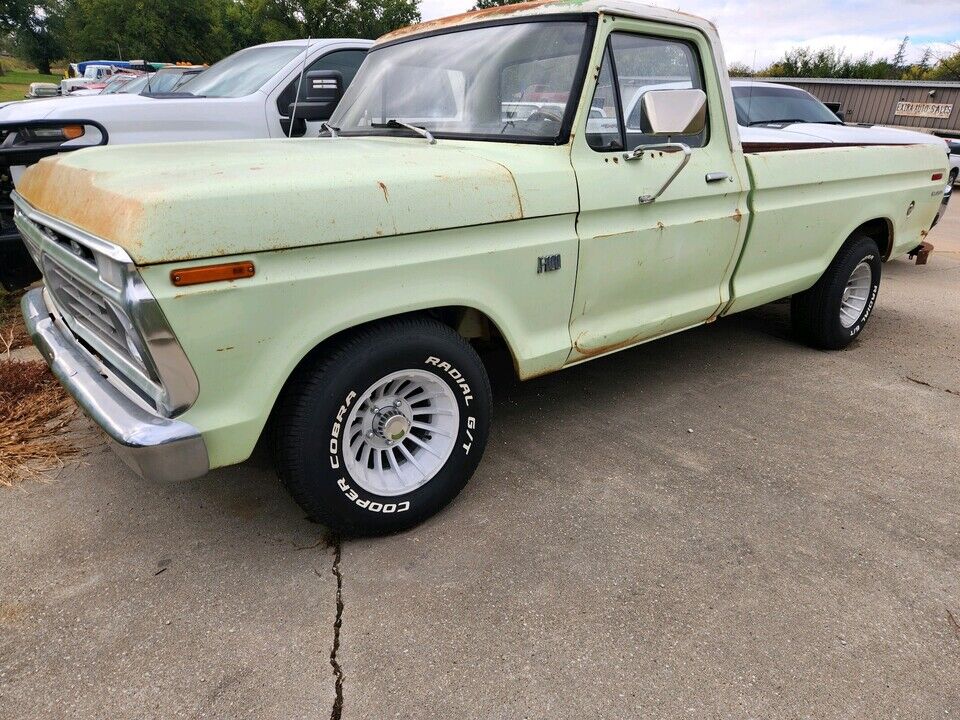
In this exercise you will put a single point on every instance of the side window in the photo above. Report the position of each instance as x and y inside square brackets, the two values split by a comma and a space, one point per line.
[635, 65]
[604, 129]
[347, 62]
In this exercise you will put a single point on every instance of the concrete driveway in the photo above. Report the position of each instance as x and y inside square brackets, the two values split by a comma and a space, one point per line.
[720, 524]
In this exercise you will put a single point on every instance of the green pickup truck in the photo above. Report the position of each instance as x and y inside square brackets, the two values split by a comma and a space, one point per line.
[478, 183]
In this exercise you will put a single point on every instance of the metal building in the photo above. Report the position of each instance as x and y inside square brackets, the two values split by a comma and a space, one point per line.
[919, 104]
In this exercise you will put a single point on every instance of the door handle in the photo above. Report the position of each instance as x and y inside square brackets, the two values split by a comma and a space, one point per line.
[716, 177]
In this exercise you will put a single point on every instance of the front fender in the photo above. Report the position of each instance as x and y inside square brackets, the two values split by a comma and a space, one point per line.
[244, 338]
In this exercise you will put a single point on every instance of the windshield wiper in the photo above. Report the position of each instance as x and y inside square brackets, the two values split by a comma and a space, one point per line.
[394, 124]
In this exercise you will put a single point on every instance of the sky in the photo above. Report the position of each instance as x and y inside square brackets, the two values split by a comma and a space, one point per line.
[757, 32]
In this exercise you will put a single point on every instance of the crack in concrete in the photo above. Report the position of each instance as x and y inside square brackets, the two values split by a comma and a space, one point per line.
[934, 387]
[337, 710]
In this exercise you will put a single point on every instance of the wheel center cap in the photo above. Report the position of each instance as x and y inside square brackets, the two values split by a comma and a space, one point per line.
[391, 424]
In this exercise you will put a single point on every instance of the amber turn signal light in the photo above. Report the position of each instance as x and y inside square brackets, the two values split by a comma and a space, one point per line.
[212, 273]
[72, 132]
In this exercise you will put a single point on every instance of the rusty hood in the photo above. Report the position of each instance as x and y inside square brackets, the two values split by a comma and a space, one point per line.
[174, 202]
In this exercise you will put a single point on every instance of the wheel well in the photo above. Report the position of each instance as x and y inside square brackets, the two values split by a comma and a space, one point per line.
[881, 231]
[472, 324]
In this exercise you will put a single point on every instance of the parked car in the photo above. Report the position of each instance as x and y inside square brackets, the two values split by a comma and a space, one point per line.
[114, 83]
[772, 112]
[42, 89]
[338, 287]
[92, 74]
[953, 147]
[249, 94]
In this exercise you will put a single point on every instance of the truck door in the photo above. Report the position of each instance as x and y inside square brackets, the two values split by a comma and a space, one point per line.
[650, 268]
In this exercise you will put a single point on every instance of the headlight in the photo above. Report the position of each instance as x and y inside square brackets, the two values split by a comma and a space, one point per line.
[52, 134]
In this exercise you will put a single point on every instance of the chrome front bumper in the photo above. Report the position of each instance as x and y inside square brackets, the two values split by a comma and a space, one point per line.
[157, 448]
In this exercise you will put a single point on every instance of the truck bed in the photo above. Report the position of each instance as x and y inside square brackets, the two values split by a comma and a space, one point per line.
[788, 247]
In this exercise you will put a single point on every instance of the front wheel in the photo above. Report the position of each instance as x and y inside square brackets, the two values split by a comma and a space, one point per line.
[832, 313]
[386, 428]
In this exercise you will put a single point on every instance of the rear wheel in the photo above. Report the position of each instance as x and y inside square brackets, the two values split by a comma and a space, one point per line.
[832, 313]
[386, 428]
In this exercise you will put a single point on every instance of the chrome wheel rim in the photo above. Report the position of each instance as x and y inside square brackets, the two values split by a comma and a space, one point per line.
[856, 294]
[401, 432]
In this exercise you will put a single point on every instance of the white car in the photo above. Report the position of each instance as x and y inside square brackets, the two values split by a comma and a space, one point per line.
[771, 112]
[91, 74]
[775, 114]
[954, 147]
[249, 94]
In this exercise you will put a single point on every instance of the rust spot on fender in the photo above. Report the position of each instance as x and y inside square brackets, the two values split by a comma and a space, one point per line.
[383, 189]
[474, 16]
[589, 352]
[72, 195]
[737, 215]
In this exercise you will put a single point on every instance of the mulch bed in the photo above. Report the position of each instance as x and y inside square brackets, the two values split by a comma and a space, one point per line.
[34, 414]
[13, 333]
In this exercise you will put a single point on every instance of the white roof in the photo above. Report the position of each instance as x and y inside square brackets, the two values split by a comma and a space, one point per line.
[313, 42]
[621, 8]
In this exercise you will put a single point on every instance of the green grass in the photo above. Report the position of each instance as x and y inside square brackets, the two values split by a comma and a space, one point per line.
[14, 83]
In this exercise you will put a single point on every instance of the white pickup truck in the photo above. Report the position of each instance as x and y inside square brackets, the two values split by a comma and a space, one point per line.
[249, 94]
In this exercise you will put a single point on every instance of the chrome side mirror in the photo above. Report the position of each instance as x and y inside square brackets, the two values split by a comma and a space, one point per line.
[670, 112]
[673, 112]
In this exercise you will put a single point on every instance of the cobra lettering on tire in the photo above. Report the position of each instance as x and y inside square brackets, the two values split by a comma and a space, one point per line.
[404, 408]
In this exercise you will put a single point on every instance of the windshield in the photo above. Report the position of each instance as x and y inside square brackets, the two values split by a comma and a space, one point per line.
[116, 83]
[134, 87]
[504, 82]
[242, 73]
[757, 105]
[164, 81]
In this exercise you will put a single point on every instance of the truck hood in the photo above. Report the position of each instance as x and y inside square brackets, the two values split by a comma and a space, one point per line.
[71, 108]
[848, 134]
[183, 201]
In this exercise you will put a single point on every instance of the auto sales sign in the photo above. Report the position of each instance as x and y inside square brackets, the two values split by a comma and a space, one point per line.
[940, 111]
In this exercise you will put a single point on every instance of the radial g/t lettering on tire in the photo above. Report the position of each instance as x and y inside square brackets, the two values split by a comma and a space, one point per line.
[385, 428]
[832, 313]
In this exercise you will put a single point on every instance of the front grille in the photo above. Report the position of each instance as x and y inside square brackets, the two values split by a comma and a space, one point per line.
[97, 294]
[88, 308]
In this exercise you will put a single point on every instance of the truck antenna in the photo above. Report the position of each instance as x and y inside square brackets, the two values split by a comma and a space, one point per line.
[296, 98]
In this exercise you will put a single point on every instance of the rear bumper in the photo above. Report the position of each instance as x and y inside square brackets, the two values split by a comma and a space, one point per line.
[947, 193]
[155, 447]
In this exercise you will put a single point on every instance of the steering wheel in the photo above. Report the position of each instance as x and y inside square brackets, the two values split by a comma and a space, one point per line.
[544, 114]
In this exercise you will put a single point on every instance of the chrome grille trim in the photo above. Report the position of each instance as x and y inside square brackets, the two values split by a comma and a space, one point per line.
[100, 298]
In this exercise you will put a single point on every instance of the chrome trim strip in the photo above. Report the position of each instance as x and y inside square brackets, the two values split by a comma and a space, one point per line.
[114, 252]
[157, 448]
[168, 378]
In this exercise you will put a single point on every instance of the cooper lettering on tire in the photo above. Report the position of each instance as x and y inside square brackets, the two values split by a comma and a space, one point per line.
[385, 428]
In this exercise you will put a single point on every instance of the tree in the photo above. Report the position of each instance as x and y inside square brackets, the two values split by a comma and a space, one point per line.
[187, 30]
[255, 21]
[947, 67]
[486, 4]
[739, 70]
[36, 30]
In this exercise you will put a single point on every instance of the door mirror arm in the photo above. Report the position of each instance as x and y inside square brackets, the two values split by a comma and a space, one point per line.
[670, 148]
